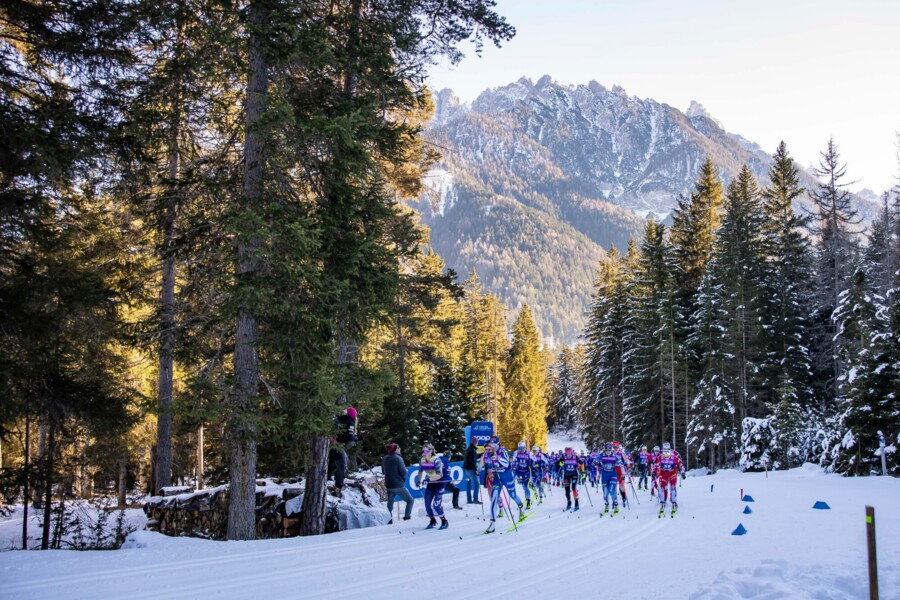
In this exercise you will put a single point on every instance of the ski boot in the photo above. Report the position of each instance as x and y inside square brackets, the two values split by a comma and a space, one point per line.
[432, 524]
[576, 506]
[606, 509]
[674, 509]
[490, 528]
[662, 510]
[444, 524]
[521, 513]
[615, 509]
[568, 506]
[528, 504]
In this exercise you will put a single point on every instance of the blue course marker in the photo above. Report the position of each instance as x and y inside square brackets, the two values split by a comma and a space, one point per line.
[821, 505]
[747, 510]
[739, 531]
[747, 498]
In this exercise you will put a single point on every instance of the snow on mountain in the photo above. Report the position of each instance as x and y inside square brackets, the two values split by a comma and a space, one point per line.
[790, 550]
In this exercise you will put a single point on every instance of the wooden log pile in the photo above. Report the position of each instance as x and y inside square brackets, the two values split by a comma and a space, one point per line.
[204, 514]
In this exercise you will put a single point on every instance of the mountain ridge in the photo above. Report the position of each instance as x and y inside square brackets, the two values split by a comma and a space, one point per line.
[581, 158]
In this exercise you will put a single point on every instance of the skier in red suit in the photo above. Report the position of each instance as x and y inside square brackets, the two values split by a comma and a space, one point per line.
[668, 466]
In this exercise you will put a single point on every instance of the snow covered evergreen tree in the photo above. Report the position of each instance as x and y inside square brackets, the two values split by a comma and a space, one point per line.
[785, 375]
[694, 223]
[647, 380]
[566, 386]
[444, 413]
[868, 390]
[601, 406]
[835, 253]
[712, 429]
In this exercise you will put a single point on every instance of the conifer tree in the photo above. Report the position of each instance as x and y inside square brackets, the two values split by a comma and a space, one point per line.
[835, 253]
[604, 352]
[739, 257]
[712, 428]
[566, 387]
[869, 389]
[523, 411]
[785, 373]
[647, 381]
[694, 223]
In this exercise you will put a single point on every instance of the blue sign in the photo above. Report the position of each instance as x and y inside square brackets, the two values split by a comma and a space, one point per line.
[456, 478]
[481, 432]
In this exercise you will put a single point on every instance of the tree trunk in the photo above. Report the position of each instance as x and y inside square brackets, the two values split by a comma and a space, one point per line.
[242, 428]
[163, 473]
[48, 486]
[25, 488]
[38, 487]
[123, 481]
[312, 521]
[200, 461]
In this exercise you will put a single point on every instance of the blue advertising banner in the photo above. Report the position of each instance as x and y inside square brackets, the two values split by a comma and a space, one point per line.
[481, 432]
[456, 478]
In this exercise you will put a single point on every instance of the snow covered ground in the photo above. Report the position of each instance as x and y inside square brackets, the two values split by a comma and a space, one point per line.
[790, 551]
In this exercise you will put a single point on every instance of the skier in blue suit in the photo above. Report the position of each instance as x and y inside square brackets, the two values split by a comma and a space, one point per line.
[524, 465]
[498, 475]
[609, 479]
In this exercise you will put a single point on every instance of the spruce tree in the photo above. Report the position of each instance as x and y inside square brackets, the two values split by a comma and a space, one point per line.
[868, 390]
[740, 274]
[835, 253]
[601, 405]
[523, 411]
[694, 222]
[785, 373]
[647, 381]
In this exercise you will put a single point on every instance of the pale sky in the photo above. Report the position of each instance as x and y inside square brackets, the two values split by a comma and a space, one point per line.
[797, 70]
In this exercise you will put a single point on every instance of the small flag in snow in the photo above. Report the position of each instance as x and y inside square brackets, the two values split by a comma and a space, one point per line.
[821, 505]
[739, 531]
[747, 510]
[747, 498]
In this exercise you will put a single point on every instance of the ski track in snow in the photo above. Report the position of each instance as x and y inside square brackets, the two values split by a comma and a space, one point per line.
[790, 551]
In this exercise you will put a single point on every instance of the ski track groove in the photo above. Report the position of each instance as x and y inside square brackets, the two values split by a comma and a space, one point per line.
[181, 565]
[285, 552]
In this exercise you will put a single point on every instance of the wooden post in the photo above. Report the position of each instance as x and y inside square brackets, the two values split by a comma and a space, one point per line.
[873, 560]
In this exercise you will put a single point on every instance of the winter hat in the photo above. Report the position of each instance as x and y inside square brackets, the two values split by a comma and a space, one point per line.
[390, 448]
[351, 412]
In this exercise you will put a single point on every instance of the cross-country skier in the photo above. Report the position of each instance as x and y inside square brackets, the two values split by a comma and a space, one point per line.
[609, 478]
[498, 475]
[654, 463]
[593, 466]
[571, 467]
[643, 464]
[523, 467]
[432, 469]
[622, 468]
[669, 466]
[538, 471]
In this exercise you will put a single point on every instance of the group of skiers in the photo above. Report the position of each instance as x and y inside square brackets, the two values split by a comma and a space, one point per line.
[609, 470]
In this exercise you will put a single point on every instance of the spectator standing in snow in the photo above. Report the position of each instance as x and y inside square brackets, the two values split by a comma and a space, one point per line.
[470, 470]
[395, 473]
[337, 454]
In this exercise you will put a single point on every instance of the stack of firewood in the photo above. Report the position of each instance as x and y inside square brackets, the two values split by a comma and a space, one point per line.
[205, 513]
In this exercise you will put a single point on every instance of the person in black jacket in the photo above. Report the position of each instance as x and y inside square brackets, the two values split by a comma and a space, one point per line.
[395, 472]
[470, 469]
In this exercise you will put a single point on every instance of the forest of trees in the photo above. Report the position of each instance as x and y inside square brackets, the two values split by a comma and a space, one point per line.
[748, 334]
[206, 250]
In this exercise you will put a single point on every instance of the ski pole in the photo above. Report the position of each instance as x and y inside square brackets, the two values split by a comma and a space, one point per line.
[509, 509]
[587, 489]
[634, 491]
